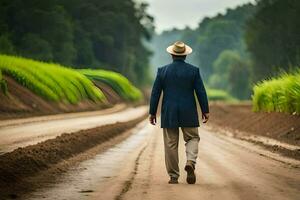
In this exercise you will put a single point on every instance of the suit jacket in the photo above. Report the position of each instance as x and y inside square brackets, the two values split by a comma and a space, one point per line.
[178, 81]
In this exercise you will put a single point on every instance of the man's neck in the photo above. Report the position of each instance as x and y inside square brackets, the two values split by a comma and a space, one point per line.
[178, 59]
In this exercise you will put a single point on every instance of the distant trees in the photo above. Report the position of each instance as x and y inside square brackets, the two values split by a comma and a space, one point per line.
[217, 36]
[79, 33]
[221, 33]
[219, 50]
[239, 78]
[273, 37]
[243, 46]
[231, 73]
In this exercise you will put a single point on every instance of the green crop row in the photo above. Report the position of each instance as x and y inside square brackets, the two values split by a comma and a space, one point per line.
[219, 95]
[50, 81]
[116, 81]
[281, 94]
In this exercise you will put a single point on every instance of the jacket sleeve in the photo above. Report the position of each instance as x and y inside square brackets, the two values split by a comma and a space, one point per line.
[155, 94]
[201, 92]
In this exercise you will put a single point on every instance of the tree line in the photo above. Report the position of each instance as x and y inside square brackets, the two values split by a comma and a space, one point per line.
[273, 37]
[79, 33]
[243, 46]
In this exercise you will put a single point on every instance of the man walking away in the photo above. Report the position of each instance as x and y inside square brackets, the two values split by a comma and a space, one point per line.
[179, 81]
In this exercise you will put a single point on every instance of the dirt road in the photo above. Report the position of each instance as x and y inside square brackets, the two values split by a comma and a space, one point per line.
[134, 169]
[20, 133]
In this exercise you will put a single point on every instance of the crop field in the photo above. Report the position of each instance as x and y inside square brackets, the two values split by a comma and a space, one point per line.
[50, 81]
[56, 83]
[281, 94]
[116, 81]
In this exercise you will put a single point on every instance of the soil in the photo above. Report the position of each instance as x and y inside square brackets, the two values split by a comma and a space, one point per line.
[224, 171]
[240, 120]
[21, 102]
[110, 94]
[18, 166]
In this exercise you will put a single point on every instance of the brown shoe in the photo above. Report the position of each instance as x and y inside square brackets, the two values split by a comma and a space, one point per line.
[173, 180]
[190, 168]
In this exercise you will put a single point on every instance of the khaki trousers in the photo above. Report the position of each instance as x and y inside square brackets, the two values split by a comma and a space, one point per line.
[171, 139]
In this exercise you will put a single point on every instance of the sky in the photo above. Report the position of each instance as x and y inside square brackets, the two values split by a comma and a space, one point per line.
[181, 13]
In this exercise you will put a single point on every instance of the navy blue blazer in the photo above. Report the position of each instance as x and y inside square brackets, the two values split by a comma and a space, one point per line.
[178, 81]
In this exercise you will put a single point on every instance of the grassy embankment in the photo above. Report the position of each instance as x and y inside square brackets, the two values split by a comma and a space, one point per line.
[57, 83]
[116, 81]
[280, 94]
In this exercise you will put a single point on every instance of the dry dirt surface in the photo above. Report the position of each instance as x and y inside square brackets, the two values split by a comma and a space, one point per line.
[132, 166]
[19, 165]
[134, 169]
[14, 135]
[280, 126]
[278, 132]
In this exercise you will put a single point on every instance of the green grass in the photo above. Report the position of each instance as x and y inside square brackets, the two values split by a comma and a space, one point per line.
[219, 95]
[280, 94]
[116, 81]
[51, 81]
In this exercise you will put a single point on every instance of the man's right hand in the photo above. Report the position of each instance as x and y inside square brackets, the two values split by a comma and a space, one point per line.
[205, 117]
[152, 119]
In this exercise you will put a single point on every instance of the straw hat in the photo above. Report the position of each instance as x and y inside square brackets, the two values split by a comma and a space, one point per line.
[179, 49]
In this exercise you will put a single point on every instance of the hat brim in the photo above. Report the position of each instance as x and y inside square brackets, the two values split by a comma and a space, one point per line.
[188, 50]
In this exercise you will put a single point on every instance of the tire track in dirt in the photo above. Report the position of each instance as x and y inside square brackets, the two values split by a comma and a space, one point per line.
[128, 184]
[143, 163]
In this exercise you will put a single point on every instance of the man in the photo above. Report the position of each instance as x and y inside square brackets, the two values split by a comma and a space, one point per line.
[179, 81]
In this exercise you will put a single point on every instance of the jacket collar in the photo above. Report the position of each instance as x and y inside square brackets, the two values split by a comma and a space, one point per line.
[178, 60]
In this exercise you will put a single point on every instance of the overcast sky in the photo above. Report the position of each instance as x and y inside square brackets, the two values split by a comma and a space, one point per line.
[181, 13]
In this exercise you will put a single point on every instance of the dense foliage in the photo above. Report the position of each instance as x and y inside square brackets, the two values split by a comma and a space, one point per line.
[116, 81]
[232, 74]
[50, 81]
[280, 94]
[220, 33]
[273, 37]
[79, 33]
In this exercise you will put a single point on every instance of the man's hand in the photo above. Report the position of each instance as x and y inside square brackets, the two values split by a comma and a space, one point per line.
[205, 117]
[152, 119]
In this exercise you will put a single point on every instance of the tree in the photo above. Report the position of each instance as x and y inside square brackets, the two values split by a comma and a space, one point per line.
[6, 46]
[218, 36]
[79, 33]
[272, 37]
[231, 73]
[33, 46]
[221, 67]
[239, 79]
